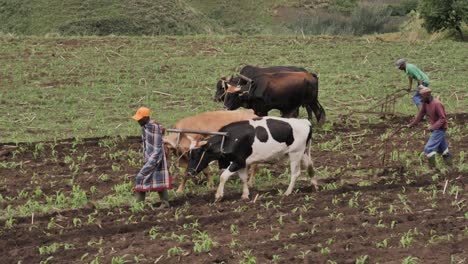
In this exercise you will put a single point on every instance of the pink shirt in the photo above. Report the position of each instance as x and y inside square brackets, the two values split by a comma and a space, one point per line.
[436, 114]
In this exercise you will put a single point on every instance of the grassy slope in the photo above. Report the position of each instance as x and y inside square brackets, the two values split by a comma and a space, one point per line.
[87, 87]
[137, 17]
[120, 16]
[164, 17]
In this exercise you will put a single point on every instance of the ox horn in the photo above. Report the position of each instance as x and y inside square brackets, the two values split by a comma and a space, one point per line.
[245, 78]
[226, 78]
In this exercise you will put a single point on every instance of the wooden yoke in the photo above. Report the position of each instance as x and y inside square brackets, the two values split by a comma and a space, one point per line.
[179, 131]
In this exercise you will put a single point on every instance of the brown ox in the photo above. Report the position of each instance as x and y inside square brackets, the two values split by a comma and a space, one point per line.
[208, 121]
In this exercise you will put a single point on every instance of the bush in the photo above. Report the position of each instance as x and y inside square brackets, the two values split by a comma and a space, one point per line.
[404, 8]
[444, 14]
[343, 6]
[323, 24]
[365, 19]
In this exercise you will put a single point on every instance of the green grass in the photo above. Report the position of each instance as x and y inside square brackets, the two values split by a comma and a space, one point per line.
[52, 88]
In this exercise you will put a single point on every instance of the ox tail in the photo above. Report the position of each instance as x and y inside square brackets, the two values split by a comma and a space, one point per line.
[309, 140]
[315, 106]
[320, 113]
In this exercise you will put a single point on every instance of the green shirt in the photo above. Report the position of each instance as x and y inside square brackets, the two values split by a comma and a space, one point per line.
[415, 73]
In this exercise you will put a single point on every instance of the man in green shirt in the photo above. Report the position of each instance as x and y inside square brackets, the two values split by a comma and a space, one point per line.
[413, 73]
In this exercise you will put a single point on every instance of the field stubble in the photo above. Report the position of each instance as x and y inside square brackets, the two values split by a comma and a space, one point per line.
[58, 88]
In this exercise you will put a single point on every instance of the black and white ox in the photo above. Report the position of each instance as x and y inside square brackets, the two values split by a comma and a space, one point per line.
[285, 91]
[249, 71]
[259, 140]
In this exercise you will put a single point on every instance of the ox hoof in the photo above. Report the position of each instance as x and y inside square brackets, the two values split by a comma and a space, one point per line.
[245, 198]
[287, 193]
[218, 198]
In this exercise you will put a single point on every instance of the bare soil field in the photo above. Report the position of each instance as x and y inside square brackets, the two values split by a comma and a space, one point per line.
[363, 211]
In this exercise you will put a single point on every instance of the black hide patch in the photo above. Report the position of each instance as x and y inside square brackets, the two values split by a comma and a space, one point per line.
[257, 118]
[238, 145]
[280, 131]
[261, 133]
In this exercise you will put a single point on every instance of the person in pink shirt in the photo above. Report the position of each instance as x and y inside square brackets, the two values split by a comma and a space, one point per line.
[437, 118]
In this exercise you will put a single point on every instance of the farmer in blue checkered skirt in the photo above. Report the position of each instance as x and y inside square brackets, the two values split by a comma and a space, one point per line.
[437, 118]
[154, 175]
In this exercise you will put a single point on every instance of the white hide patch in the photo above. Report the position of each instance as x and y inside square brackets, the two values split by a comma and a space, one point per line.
[272, 150]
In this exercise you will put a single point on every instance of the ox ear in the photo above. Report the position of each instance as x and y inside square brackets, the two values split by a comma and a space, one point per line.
[202, 143]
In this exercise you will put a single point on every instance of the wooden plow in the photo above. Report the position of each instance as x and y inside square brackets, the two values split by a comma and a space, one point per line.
[386, 149]
[384, 107]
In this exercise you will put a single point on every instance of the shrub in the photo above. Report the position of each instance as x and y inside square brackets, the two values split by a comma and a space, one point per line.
[444, 14]
[365, 19]
[403, 8]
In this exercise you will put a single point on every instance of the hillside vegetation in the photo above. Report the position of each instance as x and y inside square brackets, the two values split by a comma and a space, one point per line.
[188, 17]
[104, 17]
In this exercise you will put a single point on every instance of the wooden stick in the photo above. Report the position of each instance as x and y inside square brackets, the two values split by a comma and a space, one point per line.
[196, 132]
[356, 135]
[445, 186]
[156, 261]
[158, 92]
[256, 196]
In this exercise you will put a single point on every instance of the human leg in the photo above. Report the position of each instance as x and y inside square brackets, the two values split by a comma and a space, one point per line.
[446, 156]
[164, 197]
[140, 196]
[432, 147]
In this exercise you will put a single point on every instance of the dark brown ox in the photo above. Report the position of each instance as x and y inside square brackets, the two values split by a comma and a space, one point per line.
[250, 72]
[208, 121]
[285, 91]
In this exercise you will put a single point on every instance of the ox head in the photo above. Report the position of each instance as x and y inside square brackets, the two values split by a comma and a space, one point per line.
[221, 88]
[200, 155]
[236, 96]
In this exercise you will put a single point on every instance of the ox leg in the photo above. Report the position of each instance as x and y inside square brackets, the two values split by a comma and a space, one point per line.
[243, 174]
[307, 163]
[222, 180]
[309, 112]
[295, 172]
[181, 188]
[253, 169]
[209, 178]
[292, 113]
[295, 114]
